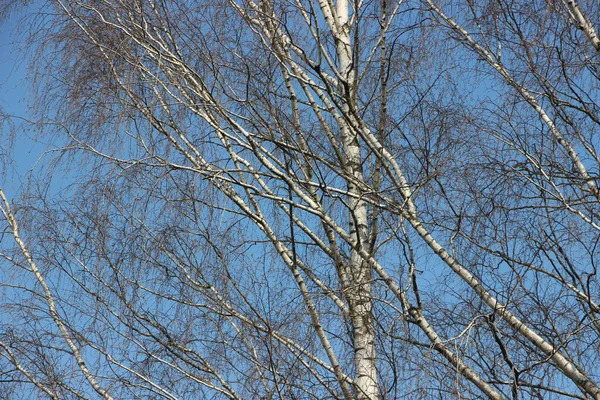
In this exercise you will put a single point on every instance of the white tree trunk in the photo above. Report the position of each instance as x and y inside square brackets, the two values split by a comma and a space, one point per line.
[359, 290]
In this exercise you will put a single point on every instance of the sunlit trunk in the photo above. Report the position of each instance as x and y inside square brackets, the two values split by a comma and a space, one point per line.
[359, 290]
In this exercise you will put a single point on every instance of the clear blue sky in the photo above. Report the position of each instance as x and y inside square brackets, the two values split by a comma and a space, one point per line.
[14, 100]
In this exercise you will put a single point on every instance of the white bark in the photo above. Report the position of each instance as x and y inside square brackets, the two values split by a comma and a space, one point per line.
[583, 23]
[359, 291]
[49, 298]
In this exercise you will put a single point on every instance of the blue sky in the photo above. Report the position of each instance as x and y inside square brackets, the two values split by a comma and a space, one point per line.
[14, 101]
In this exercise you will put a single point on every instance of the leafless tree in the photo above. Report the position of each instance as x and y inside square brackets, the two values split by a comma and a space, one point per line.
[308, 199]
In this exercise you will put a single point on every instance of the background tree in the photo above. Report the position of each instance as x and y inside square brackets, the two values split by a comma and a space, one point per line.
[308, 199]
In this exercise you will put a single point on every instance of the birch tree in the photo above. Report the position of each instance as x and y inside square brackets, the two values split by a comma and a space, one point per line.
[307, 199]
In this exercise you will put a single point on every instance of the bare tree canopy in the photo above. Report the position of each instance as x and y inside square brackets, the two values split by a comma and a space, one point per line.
[307, 199]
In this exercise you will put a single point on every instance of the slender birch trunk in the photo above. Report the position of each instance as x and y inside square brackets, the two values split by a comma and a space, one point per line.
[359, 291]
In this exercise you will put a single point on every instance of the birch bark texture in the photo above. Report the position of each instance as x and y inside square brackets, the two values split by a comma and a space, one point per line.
[306, 199]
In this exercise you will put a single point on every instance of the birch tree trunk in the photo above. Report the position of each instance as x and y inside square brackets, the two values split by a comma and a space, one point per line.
[358, 289]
